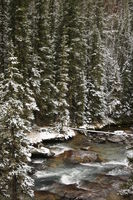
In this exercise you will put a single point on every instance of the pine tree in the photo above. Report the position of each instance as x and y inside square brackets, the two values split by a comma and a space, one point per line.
[113, 84]
[77, 62]
[113, 89]
[62, 68]
[16, 106]
[4, 27]
[34, 70]
[44, 45]
[123, 52]
[62, 84]
[15, 181]
[95, 74]
[96, 77]
[88, 30]
[131, 58]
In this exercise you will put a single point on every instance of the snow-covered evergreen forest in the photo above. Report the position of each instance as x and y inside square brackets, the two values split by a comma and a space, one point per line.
[62, 62]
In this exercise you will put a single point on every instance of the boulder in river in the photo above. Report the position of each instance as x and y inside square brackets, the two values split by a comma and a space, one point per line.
[116, 138]
[129, 147]
[80, 156]
[45, 195]
[87, 191]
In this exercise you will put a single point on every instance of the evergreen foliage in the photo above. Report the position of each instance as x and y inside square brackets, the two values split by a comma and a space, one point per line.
[16, 104]
[15, 119]
[44, 48]
[62, 62]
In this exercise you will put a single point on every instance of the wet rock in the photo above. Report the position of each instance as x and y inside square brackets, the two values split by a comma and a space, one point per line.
[120, 136]
[87, 191]
[116, 138]
[102, 139]
[129, 147]
[129, 141]
[75, 157]
[71, 192]
[85, 148]
[80, 156]
[45, 195]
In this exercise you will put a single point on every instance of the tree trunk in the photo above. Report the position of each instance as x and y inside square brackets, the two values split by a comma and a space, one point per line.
[14, 178]
[14, 188]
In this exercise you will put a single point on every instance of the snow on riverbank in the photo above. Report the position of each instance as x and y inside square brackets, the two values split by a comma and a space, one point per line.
[120, 133]
[40, 134]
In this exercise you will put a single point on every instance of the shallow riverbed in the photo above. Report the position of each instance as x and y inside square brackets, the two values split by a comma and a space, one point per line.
[68, 177]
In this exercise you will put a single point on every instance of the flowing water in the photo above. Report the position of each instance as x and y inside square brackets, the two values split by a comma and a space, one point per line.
[60, 174]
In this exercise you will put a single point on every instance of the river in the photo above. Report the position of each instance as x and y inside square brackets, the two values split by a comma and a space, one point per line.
[72, 174]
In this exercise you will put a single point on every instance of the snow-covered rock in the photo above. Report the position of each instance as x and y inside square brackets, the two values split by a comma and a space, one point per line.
[130, 155]
[127, 192]
[58, 149]
[39, 134]
[41, 152]
[120, 132]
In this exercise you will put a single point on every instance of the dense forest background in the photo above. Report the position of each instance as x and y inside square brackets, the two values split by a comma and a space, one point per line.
[73, 59]
[67, 62]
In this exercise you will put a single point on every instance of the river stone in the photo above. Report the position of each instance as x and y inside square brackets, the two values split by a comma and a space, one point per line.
[85, 148]
[102, 139]
[129, 147]
[80, 156]
[71, 192]
[45, 195]
[116, 138]
[92, 191]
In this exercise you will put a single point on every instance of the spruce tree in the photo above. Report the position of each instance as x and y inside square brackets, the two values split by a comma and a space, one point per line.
[77, 62]
[16, 105]
[44, 47]
[112, 79]
[34, 70]
[4, 27]
[15, 182]
[131, 57]
[96, 90]
[96, 78]
[88, 28]
[123, 51]
[62, 68]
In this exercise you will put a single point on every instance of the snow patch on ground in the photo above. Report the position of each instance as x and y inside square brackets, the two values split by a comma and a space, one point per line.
[120, 133]
[41, 150]
[85, 126]
[40, 134]
[58, 149]
[38, 161]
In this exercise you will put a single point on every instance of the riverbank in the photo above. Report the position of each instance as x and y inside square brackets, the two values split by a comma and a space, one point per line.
[46, 133]
[40, 135]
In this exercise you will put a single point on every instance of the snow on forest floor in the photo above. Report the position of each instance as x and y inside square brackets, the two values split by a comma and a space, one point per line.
[39, 134]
